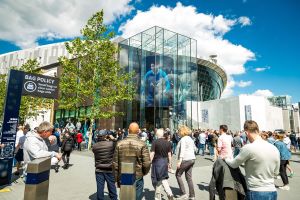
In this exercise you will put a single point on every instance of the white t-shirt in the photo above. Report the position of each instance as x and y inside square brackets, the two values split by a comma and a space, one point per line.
[19, 134]
[287, 141]
[202, 138]
[21, 141]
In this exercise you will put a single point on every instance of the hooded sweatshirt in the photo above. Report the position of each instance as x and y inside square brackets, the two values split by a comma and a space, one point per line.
[35, 147]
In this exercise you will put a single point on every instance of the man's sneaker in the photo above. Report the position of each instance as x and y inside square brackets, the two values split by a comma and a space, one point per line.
[56, 170]
[192, 198]
[286, 187]
[291, 175]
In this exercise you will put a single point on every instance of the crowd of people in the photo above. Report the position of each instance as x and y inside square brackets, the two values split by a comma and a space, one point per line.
[154, 150]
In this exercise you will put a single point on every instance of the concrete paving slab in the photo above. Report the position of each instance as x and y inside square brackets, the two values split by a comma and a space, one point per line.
[78, 182]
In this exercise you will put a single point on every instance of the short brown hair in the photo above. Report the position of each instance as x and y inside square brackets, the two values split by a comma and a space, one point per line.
[184, 131]
[224, 128]
[251, 126]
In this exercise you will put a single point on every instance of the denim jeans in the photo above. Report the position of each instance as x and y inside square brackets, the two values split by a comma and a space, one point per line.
[254, 195]
[174, 146]
[201, 147]
[211, 150]
[236, 152]
[139, 184]
[101, 177]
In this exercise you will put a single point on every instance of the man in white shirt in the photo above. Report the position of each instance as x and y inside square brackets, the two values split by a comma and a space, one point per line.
[78, 126]
[19, 148]
[70, 126]
[262, 162]
[18, 135]
[202, 140]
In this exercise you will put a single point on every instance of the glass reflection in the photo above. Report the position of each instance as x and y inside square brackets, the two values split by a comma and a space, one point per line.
[166, 76]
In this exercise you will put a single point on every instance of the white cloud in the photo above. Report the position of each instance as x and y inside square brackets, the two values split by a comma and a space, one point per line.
[229, 88]
[264, 93]
[24, 22]
[243, 84]
[261, 69]
[207, 29]
[244, 21]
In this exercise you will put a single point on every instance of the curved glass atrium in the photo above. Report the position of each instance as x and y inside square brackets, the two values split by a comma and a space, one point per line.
[167, 75]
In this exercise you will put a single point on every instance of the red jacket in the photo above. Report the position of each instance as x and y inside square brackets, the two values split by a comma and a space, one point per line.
[79, 138]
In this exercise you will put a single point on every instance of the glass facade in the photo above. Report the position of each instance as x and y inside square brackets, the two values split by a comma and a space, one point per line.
[166, 75]
[210, 83]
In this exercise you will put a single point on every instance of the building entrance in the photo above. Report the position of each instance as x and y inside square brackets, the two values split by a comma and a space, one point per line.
[157, 117]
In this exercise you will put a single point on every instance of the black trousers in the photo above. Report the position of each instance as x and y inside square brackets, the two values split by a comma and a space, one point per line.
[66, 153]
[282, 172]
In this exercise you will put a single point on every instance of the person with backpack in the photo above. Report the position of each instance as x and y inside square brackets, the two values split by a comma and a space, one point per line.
[66, 148]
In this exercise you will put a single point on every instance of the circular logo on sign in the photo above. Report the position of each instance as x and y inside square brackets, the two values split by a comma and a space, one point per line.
[8, 150]
[30, 86]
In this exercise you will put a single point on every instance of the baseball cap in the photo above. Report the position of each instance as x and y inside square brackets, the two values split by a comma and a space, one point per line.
[102, 133]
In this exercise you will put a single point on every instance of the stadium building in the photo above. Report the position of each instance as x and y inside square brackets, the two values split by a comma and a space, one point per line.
[167, 73]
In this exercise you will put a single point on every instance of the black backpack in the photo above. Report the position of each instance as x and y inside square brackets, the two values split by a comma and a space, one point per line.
[68, 144]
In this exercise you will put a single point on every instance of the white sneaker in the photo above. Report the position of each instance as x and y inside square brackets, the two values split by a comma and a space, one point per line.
[286, 187]
[277, 177]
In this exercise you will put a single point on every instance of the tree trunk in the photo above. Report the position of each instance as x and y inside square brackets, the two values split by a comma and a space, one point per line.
[91, 134]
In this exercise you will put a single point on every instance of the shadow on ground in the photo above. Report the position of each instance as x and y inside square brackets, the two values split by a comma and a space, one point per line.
[203, 186]
[94, 196]
[297, 161]
[149, 195]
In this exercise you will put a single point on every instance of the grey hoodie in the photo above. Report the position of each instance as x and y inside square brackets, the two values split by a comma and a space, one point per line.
[35, 147]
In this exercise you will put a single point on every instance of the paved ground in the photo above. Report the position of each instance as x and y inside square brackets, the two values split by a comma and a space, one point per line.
[78, 182]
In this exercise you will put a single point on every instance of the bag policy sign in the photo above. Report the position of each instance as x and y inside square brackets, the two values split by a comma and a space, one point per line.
[20, 83]
[40, 86]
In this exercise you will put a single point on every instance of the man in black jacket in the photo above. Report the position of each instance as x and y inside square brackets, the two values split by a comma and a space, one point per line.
[103, 152]
[67, 147]
[225, 177]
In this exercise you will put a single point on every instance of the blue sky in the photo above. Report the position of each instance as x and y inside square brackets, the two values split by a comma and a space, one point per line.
[257, 42]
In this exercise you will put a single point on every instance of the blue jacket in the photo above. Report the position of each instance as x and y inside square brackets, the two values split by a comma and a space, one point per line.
[285, 154]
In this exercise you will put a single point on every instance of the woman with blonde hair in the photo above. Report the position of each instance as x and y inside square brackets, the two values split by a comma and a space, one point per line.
[185, 162]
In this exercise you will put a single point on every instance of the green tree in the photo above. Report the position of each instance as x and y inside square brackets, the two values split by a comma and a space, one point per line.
[30, 106]
[94, 76]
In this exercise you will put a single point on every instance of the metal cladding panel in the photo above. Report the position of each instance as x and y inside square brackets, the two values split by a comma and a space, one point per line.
[39, 165]
[37, 192]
